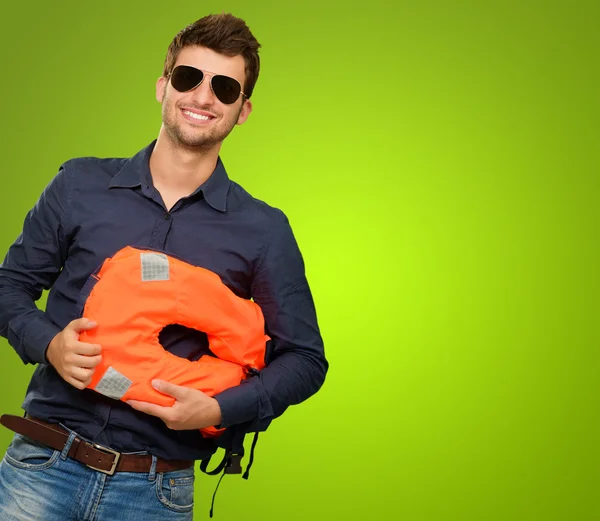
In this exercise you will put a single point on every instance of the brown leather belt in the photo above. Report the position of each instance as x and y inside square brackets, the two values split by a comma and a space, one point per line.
[97, 457]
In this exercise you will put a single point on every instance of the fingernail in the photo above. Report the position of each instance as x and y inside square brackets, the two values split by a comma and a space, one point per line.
[155, 384]
[91, 323]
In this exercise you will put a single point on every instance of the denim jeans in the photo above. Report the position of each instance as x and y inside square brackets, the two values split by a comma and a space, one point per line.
[38, 483]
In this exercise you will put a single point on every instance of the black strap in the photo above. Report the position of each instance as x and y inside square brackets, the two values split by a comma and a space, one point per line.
[254, 442]
[230, 464]
[212, 504]
[204, 465]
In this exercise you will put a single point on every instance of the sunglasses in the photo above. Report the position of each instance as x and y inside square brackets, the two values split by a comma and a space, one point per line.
[226, 89]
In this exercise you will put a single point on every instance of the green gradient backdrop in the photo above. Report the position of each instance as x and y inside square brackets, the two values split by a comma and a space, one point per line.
[439, 164]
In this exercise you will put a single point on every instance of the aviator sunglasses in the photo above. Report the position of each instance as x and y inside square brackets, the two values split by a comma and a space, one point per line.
[226, 89]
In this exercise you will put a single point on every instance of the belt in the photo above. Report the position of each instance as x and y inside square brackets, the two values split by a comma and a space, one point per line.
[97, 457]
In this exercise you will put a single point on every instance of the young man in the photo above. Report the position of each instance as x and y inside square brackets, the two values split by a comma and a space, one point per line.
[80, 455]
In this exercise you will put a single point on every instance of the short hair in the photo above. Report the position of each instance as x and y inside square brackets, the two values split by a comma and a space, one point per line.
[222, 33]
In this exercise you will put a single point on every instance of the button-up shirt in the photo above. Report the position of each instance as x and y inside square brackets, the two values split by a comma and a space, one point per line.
[91, 209]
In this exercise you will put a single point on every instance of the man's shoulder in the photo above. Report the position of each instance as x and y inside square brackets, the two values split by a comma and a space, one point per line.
[91, 172]
[242, 200]
[87, 163]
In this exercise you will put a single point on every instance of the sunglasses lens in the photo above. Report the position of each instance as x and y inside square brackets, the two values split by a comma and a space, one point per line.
[185, 78]
[226, 89]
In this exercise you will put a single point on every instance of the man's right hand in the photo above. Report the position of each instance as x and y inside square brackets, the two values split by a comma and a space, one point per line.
[75, 361]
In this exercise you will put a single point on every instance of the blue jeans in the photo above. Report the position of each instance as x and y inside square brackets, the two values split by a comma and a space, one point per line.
[38, 483]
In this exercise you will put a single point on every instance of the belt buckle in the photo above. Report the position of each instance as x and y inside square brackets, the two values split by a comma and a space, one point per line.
[106, 450]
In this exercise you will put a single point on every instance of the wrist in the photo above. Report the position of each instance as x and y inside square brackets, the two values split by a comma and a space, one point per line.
[50, 349]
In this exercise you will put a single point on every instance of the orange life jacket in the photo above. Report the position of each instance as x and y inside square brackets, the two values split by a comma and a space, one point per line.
[135, 294]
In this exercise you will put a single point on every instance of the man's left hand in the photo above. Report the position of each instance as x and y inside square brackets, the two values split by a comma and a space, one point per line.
[192, 409]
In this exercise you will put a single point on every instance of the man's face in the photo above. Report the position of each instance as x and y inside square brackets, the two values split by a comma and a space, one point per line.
[180, 110]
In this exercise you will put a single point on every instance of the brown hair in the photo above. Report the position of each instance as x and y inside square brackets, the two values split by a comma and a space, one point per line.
[222, 33]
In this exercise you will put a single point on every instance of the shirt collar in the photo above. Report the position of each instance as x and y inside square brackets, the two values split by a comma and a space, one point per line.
[136, 171]
[216, 187]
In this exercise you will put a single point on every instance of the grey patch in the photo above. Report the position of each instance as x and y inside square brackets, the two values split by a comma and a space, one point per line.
[155, 266]
[113, 384]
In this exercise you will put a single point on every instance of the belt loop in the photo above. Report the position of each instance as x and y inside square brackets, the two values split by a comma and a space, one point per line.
[152, 474]
[65, 452]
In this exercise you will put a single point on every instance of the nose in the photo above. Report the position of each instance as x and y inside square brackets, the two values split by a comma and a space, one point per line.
[203, 94]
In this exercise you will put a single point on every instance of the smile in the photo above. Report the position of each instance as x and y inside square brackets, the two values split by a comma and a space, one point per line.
[196, 116]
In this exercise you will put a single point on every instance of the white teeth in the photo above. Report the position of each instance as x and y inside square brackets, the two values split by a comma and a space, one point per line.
[196, 116]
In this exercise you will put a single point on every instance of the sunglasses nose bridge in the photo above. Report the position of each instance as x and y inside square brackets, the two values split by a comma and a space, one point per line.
[204, 88]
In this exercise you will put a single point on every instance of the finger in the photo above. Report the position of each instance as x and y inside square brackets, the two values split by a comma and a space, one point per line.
[88, 362]
[76, 383]
[85, 349]
[82, 374]
[82, 324]
[176, 391]
[150, 408]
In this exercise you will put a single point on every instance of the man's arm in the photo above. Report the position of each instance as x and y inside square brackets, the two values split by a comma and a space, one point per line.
[297, 364]
[31, 265]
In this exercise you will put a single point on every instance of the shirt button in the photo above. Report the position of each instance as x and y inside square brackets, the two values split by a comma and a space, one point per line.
[167, 216]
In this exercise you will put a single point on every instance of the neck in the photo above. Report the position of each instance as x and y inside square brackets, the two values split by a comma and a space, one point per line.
[178, 168]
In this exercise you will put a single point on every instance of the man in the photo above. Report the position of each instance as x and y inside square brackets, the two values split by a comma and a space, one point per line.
[85, 456]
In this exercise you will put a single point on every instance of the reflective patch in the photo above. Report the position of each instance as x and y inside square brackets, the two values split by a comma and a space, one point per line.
[155, 266]
[113, 384]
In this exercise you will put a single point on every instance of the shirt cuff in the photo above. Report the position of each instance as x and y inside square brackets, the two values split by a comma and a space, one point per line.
[39, 332]
[238, 404]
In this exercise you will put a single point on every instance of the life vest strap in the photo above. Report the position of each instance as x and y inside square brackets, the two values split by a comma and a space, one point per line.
[254, 442]
[212, 504]
[231, 464]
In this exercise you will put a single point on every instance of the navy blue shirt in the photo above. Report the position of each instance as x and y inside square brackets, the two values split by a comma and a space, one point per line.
[94, 207]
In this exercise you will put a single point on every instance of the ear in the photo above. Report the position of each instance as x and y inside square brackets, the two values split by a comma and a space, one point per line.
[245, 112]
[161, 83]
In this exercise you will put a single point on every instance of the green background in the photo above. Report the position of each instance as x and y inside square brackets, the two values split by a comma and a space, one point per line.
[438, 162]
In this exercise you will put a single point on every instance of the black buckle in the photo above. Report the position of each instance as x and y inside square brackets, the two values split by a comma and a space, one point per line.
[234, 465]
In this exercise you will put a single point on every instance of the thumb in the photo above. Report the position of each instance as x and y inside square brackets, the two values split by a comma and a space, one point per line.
[82, 324]
[175, 391]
